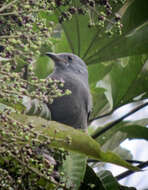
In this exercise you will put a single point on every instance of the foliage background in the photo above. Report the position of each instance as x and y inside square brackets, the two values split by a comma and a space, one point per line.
[117, 66]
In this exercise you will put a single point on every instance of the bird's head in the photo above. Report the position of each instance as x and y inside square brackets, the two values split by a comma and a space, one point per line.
[68, 62]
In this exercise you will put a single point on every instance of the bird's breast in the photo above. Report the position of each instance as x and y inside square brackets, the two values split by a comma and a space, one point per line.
[71, 109]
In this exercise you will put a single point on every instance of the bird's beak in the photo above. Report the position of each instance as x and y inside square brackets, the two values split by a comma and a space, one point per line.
[55, 57]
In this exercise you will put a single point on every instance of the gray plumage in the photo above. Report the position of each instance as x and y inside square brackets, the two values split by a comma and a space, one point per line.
[72, 109]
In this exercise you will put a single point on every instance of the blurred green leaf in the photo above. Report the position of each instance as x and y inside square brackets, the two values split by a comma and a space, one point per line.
[96, 73]
[135, 15]
[93, 45]
[43, 66]
[64, 46]
[48, 15]
[108, 181]
[92, 179]
[124, 153]
[134, 35]
[129, 73]
[113, 137]
[133, 43]
[74, 170]
[135, 131]
[124, 83]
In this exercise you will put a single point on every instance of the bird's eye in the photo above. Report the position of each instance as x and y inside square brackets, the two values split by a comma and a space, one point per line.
[69, 58]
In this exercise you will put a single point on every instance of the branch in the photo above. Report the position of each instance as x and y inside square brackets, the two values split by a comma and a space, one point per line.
[8, 5]
[129, 172]
[101, 116]
[135, 161]
[95, 135]
[130, 161]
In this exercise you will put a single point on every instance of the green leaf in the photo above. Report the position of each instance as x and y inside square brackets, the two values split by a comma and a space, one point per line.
[43, 67]
[134, 35]
[48, 15]
[64, 46]
[113, 137]
[72, 140]
[124, 153]
[135, 43]
[132, 72]
[100, 103]
[135, 131]
[100, 181]
[113, 142]
[106, 84]
[92, 179]
[130, 17]
[82, 38]
[98, 71]
[93, 45]
[74, 170]
[108, 181]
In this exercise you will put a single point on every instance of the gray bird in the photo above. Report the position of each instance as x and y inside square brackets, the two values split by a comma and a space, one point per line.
[72, 109]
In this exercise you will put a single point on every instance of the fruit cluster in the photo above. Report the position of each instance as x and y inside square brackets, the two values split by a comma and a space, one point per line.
[27, 160]
[23, 29]
[99, 12]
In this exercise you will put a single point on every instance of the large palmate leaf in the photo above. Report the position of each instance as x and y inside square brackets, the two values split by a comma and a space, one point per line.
[92, 44]
[133, 43]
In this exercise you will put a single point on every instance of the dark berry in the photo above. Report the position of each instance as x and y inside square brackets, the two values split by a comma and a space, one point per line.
[61, 19]
[81, 11]
[72, 10]
[117, 17]
[103, 2]
[102, 18]
[1, 48]
[91, 3]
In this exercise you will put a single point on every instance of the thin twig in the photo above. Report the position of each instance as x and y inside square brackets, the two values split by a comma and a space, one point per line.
[10, 13]
[93, 9]
[10, 36]
[8, 5]
[20, 12]
[95, 135]
[129, 172]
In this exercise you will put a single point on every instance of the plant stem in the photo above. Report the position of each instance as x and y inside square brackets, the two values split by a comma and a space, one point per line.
[95, 135]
